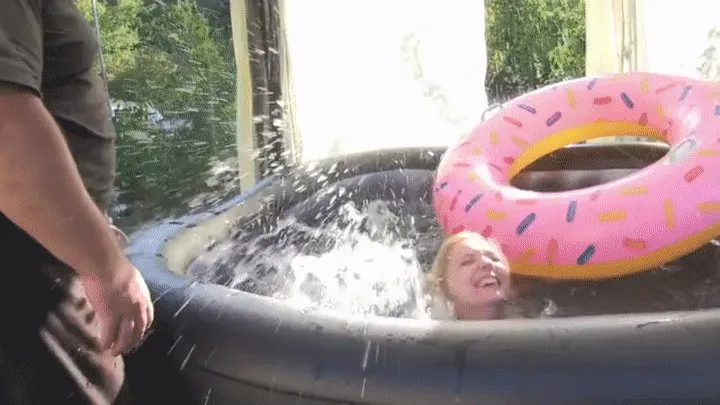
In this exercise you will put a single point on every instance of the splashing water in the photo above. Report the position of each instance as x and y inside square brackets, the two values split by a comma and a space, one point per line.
[360, 263]
[369, 260]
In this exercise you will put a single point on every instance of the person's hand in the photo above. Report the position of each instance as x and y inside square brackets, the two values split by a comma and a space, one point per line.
[123, 307]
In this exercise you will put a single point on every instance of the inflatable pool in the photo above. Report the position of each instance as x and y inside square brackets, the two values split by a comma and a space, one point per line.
[234, 347]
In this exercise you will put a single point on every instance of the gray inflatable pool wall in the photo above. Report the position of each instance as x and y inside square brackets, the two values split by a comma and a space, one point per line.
[232, 347]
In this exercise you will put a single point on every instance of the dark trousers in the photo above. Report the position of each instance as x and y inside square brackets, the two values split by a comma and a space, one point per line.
[49, 352]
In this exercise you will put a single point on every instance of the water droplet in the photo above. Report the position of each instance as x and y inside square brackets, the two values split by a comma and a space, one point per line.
[362, 391]
[366, 355]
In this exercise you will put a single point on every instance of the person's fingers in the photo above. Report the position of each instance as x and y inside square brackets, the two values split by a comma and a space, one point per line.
[79, 320]
[151, 313]
[125, 336]
[141, 323]
[109, 325]
[57, 327]
[57, 337]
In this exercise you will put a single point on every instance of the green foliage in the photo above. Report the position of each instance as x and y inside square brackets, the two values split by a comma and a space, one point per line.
[118, 25]
[166, 58]
[532, 43]
[182, 64]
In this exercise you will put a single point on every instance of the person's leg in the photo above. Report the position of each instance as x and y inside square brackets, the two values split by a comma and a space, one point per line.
[49, 353]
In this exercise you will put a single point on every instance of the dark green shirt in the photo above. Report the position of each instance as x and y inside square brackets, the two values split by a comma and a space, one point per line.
[48, 47]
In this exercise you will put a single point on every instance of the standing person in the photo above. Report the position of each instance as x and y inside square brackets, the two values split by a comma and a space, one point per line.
[71, 303]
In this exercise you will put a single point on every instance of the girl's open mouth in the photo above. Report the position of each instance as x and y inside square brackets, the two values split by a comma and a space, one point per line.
[485, 281]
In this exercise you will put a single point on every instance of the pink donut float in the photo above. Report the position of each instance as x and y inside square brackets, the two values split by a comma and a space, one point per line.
[630, 225]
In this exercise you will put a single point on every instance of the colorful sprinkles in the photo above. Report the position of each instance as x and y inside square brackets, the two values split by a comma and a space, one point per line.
[454, 200]
[586, 255]
[635, 244]
[527, 108]
[692, 174]
[553, 119]
[666, 88]
[552, 250]
[572, 208]
[473, 201]
[685, 93]
[487, 232]
[525, 223]
[709, 207]
[626, 100]
[602, 100]
[513, 121]
[669, 214]
[571, 98]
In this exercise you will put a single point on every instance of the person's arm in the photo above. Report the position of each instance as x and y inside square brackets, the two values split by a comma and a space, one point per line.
[40, 187]
[41, 190]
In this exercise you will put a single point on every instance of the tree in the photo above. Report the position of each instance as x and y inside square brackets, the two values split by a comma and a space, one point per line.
[532, 43]
[118, 26]
[166, 62]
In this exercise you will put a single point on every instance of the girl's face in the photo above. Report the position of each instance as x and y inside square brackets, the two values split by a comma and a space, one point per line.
[477, 274]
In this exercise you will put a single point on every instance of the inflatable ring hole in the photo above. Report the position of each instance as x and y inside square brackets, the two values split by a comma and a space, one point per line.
[590, 133]
[589, 164]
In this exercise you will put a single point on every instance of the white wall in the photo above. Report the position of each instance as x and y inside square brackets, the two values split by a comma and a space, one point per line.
[677, 34]
[663, 36]
[373, 74]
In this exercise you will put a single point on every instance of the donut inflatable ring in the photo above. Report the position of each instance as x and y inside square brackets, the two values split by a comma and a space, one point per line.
[630, 225]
